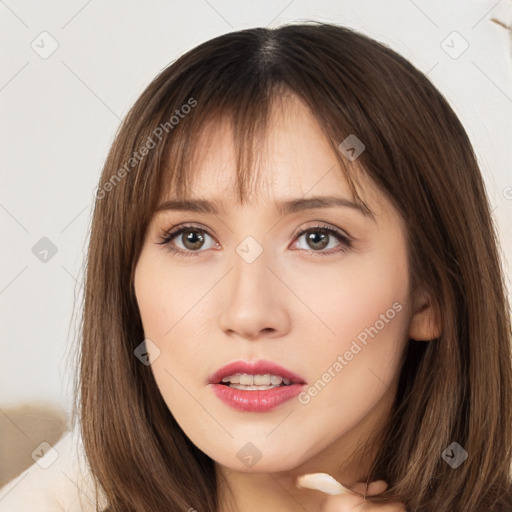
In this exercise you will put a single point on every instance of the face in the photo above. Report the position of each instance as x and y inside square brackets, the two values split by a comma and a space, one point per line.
[330, 305]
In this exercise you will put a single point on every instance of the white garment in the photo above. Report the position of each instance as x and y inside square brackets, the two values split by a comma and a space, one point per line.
[59, 481]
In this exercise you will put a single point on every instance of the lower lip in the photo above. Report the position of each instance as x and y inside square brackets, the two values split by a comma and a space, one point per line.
[256, 400]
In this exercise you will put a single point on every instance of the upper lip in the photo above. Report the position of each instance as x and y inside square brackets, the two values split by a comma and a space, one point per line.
[255, 368]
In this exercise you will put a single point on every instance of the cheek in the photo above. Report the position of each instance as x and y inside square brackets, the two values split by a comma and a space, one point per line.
[362, 291]
[363, 308]
[172, 314]
[167, 295]
[152, 296]
[354, 371]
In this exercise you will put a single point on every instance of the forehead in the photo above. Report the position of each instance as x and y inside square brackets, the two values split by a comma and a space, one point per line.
[292, 158]
[292, 155]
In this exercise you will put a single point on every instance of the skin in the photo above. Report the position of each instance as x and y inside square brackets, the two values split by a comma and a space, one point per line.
[291, 305]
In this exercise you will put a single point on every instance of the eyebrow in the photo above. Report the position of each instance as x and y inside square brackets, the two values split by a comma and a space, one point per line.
[282, 207]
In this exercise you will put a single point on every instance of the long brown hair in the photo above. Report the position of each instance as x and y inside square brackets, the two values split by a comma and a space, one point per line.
[454, 389]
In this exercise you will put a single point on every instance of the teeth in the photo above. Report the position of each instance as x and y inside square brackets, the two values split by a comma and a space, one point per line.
[234, 379]
[252, 388]
[261, 380]
[246, 379]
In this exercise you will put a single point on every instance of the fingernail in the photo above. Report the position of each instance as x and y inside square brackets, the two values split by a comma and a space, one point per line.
[321, 482]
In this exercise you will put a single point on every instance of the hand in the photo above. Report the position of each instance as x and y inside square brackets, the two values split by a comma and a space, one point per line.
[342, 499]
[351, 502]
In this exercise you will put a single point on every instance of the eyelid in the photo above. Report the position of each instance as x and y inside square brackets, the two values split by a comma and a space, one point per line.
[325, 226]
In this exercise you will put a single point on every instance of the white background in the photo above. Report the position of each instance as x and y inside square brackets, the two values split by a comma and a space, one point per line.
[59, 116]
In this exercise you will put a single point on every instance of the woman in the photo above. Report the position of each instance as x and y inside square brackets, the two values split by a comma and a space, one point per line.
[293, 270]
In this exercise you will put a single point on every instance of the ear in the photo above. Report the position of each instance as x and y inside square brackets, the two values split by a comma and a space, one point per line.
[424, 325]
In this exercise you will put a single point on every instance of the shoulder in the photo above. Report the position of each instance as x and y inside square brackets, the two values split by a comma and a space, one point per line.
[58, 481]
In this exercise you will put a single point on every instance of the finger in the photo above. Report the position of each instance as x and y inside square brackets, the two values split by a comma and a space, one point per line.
[343, 499]
[321, 482]
[375, 487]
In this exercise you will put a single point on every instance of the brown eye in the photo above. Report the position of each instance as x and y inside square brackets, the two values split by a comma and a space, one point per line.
[319, 237]
[193, 239]
[186, 240]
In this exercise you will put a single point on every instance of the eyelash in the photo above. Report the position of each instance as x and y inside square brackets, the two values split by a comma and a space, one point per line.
[168, 236]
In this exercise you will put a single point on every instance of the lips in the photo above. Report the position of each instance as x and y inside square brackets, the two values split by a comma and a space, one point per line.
[256, 368]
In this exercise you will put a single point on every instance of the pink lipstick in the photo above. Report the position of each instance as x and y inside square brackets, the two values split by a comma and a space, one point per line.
[256, 387]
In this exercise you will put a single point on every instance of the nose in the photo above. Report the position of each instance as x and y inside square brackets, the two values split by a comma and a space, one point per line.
[256, 301]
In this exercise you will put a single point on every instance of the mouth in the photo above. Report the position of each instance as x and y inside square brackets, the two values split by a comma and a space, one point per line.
[248, 382]
[260, 375]
[255, 387]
